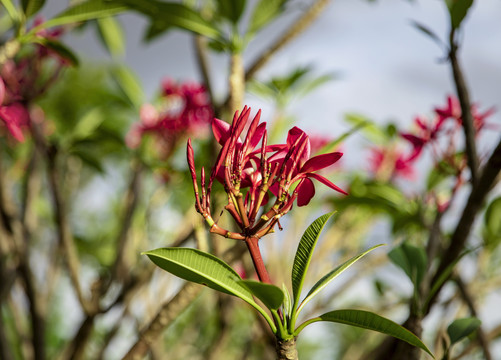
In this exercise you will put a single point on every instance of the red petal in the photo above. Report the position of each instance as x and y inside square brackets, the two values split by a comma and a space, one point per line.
[257, 136]
[221, 130]
[293, 135]
[326, 182]
[305, 191]
[321, 161]
[416, 141]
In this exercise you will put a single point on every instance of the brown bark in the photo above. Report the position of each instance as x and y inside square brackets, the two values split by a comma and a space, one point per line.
[286, 349]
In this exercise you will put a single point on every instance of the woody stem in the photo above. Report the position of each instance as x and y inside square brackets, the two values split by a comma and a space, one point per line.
[257, 260]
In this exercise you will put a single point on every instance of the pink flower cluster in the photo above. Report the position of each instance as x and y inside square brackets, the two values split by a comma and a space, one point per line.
[283, 170]
[24, 79]
[446, 124]
[186, 111]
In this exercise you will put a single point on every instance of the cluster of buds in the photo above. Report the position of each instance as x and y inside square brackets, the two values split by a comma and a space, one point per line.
[185, 110]
[250, 175]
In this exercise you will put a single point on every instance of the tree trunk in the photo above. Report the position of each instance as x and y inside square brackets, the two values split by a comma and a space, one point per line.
[286, 349]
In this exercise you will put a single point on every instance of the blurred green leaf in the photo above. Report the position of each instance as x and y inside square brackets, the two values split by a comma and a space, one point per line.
[461, 328]
[271, 296]
[370, 321]
[88, 158]
[373, 132]
[492, 223]
[412, 260]
[265, 11]
[83, 11]
[164, 15]
[11, 9]
[428, 32]
[326, 279]
[231, 9]
[62, 50]
[31, 7]
[111, 34]
[206, 269]
[88, 124]
[129, 84]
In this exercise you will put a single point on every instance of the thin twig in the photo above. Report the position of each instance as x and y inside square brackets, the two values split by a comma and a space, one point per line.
[203, 64]
[65, 235]
[466, 116]
[299, 26]
[475, 202]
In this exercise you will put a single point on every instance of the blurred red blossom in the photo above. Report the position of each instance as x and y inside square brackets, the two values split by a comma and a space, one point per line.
[185, 111]
[26, 77]
[389, 162]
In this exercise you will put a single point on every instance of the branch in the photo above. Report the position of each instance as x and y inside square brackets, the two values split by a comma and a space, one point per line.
[473, 206]
[464, 100]
[299, 26]
[203, 64]
[131, 202]
[65, 235]
[294, 31]
[169, 312]
[468, 299]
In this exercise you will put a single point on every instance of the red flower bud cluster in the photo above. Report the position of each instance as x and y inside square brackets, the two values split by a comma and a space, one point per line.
[250, 175]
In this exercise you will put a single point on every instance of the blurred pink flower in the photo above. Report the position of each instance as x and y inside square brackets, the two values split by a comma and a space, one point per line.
[390, 163]
[186, 111]
[13, 114]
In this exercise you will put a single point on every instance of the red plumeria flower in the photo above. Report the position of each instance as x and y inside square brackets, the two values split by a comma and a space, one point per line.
[241, 166]
[300, 168]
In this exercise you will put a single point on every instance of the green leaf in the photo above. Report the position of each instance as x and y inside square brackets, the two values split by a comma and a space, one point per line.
[264, 12]
[411, 259]
[461, 328]
[165, 15]
[111, 34]
[368, 320]
[31, 7]
[206, 269]
[58, 47]
[231, 9]
[304, 253]
[271, 296]
[129, 84]
[87, 10]
[458, 10]
[326, 279]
